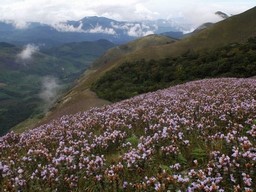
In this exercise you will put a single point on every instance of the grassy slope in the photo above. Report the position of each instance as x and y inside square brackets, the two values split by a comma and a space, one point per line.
[81, 92]
[133, 78]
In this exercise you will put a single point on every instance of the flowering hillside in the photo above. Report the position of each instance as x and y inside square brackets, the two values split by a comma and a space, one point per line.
[199, 136]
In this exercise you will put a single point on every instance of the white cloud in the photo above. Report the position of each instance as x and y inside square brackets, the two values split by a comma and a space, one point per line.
[27, 53]
[135, 29]
[50, 90]
[18, 24]
[63, 27]
[138, 30]
[55, 11]
[100, 29]
[144, 13]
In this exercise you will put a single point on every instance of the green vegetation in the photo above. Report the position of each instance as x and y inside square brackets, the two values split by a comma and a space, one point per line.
[133, 140]
[133, 78]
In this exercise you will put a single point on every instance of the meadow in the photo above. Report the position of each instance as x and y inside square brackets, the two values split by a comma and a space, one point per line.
[198, 136]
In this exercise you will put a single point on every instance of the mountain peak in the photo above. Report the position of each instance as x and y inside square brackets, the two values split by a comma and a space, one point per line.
[95, 18]
[222, 15]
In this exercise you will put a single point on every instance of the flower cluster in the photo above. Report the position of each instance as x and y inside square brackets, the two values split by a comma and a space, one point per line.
[199, 136]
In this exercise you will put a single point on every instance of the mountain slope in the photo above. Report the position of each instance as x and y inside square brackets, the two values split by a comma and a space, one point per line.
[197, 56]
[80, 92]
[199, 136]
[119, 52]
[133, 78]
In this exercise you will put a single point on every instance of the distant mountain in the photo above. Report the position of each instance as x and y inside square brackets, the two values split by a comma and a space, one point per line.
[86, 29]
[80, 53]
[79, 49]
[30, 80]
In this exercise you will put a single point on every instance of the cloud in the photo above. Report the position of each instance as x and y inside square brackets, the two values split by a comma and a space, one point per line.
[100, 29]
[51, 12]
[18, 24]
[144, 13]
[27, 53]
[139, 30]
[50, 90]
[135, 29]
[63, 27]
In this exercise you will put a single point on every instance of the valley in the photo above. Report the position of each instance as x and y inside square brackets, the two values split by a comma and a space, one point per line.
[31, 85]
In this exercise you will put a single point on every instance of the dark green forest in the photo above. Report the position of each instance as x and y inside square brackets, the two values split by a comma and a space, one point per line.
[133, 78]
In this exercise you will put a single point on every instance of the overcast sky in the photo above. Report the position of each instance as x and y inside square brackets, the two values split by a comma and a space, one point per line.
[51, 11]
